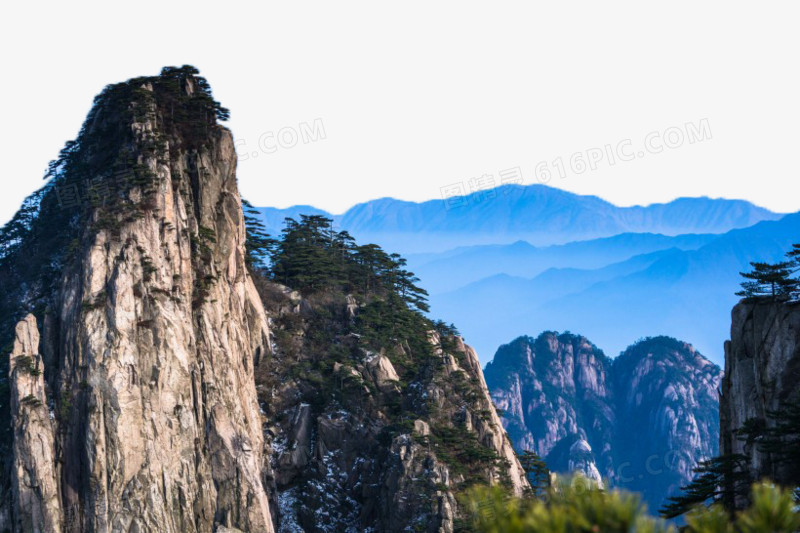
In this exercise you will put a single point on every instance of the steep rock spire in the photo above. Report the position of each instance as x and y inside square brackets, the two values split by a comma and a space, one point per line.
[37, 502]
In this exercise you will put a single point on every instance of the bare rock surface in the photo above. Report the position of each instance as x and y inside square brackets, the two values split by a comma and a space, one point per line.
[152, 332]
[36, 491]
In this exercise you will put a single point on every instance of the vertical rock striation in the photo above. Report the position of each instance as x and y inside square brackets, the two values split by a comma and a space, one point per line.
[35, 480]
[154, 327]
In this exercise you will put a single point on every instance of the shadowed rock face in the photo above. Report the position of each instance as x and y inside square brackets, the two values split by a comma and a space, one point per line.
[642, 421]
[762, 372]
[150, 337]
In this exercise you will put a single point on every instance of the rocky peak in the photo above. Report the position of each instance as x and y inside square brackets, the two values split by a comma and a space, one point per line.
[556, 387]
[153, 326]
[565, 400]
[670, 392]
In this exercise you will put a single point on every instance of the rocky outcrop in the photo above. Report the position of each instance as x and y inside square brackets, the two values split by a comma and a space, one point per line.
[762, 372]
[581, 460]
[367, 440]
[667, 405]
[35, 479]
[641, 421]
[489, 426]
[152, 331]
[555, 389]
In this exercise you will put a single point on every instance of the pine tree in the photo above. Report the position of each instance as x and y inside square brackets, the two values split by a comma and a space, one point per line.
[405, 285]
[536, 470]
[772, 280]
[258, 243]
[719, 480]
[793, 256]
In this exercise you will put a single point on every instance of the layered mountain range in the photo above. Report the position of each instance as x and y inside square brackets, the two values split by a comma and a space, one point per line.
[156, 381]
[538, 214]
[640, 421]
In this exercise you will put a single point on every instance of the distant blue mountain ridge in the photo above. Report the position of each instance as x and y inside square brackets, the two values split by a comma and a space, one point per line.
[532, 258]
[538, 214]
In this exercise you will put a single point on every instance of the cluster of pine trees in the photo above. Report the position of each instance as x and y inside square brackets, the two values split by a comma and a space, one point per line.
[312, 257]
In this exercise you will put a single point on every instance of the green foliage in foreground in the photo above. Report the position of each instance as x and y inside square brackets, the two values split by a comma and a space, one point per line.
[578, 508]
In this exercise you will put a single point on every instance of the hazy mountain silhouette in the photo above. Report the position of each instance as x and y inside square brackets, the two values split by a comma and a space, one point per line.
[683, 293]
[459, 267]
[538, 214]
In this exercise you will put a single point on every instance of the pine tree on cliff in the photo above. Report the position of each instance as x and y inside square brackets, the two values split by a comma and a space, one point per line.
[719, 480]
[405, 285]
[258, 242]
[770, 280]
[794, 257]
[536, 470]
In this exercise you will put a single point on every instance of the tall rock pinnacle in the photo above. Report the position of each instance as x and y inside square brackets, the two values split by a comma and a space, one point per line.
[153, 330]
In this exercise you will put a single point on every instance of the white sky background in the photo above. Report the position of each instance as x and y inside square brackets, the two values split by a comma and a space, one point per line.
[415, 96]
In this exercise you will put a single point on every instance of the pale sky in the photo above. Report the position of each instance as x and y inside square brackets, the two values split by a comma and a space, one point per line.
[415, 96]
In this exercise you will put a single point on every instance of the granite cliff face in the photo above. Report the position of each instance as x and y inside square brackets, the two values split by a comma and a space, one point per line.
[138, 412]
[35, 481]
[667, 404]
[641, 421]
[762, 372]
[374, 441]
[555, 390]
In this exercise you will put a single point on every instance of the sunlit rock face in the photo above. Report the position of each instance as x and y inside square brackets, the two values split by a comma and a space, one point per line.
[142, 413]
[640, 421]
